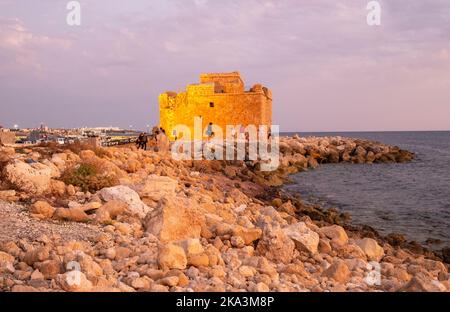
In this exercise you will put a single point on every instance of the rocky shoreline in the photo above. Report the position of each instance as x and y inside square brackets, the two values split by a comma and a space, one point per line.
[133, 220]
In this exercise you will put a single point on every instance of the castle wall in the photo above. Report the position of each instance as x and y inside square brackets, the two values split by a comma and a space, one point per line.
[222, 109]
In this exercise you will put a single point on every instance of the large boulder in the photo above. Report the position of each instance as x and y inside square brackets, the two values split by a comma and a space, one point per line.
[276, 246]
[336, 233]
[304, 238]
[30, 178]
[135, 206]
[174, 219]
[156, 187]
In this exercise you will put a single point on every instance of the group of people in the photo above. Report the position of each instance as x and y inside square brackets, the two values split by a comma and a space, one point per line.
[142, 141]
[161, 143]
[158, 140]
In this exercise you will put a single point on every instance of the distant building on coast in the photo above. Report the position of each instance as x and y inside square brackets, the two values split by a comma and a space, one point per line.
[219, 98]
[7, 137]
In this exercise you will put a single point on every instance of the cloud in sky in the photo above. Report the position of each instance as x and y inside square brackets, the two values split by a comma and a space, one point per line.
[327, 68]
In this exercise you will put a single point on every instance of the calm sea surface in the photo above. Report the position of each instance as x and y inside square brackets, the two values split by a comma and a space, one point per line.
[411, 198]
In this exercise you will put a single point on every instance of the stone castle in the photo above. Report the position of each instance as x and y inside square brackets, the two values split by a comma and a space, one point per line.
[219, 98]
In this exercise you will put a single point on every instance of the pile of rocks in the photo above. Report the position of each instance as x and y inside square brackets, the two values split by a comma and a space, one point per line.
[194, 226]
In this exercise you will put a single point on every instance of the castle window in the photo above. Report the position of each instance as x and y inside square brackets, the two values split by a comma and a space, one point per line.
[211, 104]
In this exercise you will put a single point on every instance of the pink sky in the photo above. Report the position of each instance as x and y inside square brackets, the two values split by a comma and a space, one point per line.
[328, 70]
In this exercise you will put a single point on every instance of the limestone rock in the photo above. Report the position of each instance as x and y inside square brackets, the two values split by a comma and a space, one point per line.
[122, 253]
[276, 246]
[198, 260]
[260, 287]
[103, 217]
[74, 281]
[132, 166]
[10, 248]
[336, 233]
[88, 266]
[70, 190]
[57, 187]
[237, 242]
[247, 271]
[230, 171]
[249, 235]
[43, 209]
[172, 256]
[169, 281]
[24, 288]
[33, 179]
[135, 206]
[324, 246]
[50, 268]
[370, 247]
[140, 283]
[434, 266]
[4, 257]
[156, 187]
[110, 211]
[37, 275]
[59, 160]
[191, 246]
[174, 219]
[6, 263]
[71, 214]
[304, 238]
[338, 271]
[8, 195]
[312, 162]
[87, 154]
[422, 283]
[39, 254]
[94, 205]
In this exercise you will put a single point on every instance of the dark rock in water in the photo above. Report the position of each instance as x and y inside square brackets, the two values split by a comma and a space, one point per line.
[415, 247]
[277, 202]
[431, 241]
[446, 254]
[368, 231]
[346, 217]
[314, 214]
[333, 157]
[396, 239]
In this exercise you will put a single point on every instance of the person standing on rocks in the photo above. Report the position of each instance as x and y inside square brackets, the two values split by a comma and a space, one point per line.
[209, 131]
[140, 140]
[144, 141]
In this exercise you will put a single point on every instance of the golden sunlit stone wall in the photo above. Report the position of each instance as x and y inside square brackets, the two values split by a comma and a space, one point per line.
[220, 99]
